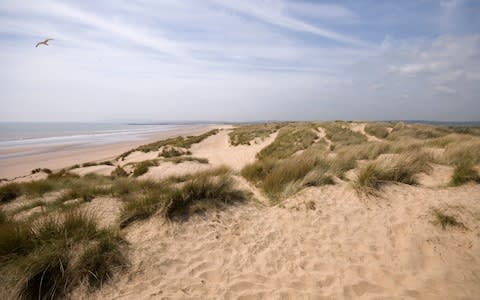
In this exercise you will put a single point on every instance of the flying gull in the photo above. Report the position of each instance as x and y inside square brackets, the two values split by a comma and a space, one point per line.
[45, 42]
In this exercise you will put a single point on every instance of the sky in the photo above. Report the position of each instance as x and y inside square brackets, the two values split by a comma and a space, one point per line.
[239, 60]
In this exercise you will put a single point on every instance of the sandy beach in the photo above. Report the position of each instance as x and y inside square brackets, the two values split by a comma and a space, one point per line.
[61, 156]
[316, 241]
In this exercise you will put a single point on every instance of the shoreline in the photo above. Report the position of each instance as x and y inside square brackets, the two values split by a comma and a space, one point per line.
[63, 155]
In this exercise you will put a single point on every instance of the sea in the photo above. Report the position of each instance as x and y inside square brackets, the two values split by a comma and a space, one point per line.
[31, 134]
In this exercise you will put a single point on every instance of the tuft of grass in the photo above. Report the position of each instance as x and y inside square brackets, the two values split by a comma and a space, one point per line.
[177, 160]
[459, 153]
[16, 238]
[464, 172]
[52, 255]
[201, 193]
[403, 169]
[180, 142]
[101, 259]
[45, 274]
[446, 220]
[118, 172]
[44, 170]
[140, 209]
[142, 168]
[245, 134]
[9, 192]
[257, 171]
[417, 131]
[172, 152]
[340, 134]
[378, 130]
[290, 139]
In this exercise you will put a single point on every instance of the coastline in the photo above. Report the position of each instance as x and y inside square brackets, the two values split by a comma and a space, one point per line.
[63, 155]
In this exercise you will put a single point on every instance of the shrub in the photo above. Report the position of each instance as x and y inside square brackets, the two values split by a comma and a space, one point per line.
[171, 152]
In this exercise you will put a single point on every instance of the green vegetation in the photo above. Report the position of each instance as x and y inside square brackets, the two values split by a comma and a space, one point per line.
[42, 254]
[244, 134]
[417, 131]
[44, 170]
[181, 159]
[464, 172]
[402, 169]
[341, 135]
[180, 142]
[119, 172]
[446, 220]
[10, 191]
[377, 129]
[173, 152]
[142, 168]
[199, 192]
[290, 139]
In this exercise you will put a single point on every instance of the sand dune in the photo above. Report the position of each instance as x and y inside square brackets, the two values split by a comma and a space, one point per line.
[322, 243]
[326, 242]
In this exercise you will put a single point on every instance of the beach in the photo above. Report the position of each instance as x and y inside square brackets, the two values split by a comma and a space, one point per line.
[265, 211]
[20, 159]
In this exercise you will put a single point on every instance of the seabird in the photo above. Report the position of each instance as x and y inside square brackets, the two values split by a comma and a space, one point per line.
[45, 42]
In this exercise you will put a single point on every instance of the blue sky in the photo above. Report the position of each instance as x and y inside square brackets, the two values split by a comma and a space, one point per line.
[239, 60]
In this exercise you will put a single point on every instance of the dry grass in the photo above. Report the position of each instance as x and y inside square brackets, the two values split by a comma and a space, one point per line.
[290, 139]
[142, 167]
[446, 220]
[179, 142]
[378, 130]
[402, 169]
[181, 159]
[341, 135]
[417, 131]
[43, 254]
[245, 134]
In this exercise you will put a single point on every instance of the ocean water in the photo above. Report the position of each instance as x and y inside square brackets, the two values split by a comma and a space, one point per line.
[36, 134]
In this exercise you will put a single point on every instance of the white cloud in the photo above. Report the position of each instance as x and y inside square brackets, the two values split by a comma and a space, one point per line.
[266, 12]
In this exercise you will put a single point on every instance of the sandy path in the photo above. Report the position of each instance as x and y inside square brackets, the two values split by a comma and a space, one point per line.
[218, 151]
[339, 247]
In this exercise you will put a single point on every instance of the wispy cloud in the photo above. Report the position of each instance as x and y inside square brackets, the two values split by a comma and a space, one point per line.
[266, 12]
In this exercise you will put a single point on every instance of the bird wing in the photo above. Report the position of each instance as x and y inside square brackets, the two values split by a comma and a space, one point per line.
[48, 40]
[38, 44]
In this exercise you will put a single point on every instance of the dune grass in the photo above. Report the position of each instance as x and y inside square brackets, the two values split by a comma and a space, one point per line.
[245, 134]
[417, 131]
[446, 220]
[290, 139]
[118, 172]
[142, 167]
[168, 152]
[197, 193]
[179, 142]
[402, 169]
[341, 135]
[378, 130]
[181, 159]
[44, 254]
[464, 172]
